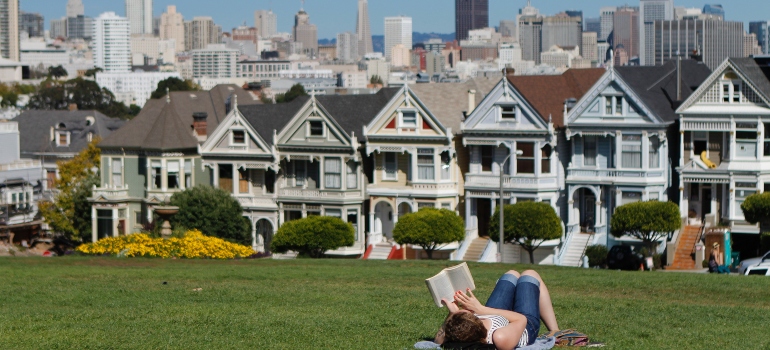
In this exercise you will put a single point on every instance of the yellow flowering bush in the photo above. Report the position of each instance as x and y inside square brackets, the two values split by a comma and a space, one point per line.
[192, 245]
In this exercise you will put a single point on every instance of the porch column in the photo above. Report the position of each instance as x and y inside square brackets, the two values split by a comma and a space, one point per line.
[115, 222]
[371, 221]
[601, 215]
[215, 172]
[570, 206]
[253, 234]
[645, 150]
[236, 179]
[618, 149]
[681, 151]
[714, 188]
[468, 214]
[683, 198]
[94, 228]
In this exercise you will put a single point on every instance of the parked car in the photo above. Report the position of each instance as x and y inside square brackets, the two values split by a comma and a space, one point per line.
[751, 262]
[761, 269]
[623, 257]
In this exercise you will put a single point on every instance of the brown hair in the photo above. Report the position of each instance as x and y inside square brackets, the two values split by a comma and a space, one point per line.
[464, 327]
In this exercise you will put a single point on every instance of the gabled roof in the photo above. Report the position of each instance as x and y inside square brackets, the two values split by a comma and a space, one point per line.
[547, 93]
[273, 117]
[35, 129]
[448, 101]
[656, 85]
[352, 112]
[757, 71]
[173, 120]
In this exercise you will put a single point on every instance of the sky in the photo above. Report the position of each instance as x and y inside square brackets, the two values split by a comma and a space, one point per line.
[337, 16]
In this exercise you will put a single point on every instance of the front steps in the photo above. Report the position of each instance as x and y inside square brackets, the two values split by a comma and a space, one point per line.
[572, 257]
[683, 259]
[380, 251]
[476, 249]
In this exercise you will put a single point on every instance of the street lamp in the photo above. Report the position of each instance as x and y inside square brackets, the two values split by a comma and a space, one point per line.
[502, 173]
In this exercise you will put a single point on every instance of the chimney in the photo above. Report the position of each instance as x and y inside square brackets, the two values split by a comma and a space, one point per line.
[72, 107]
[200, 125]
[471, 101]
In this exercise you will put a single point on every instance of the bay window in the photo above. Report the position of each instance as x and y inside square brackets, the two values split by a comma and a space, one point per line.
[545, 160]
[352, 174]
[333, 173]
[353, 220]
[391, 166]
[631, 152]
[188, 173]
[243, 181]
[525, 163]
[654, 152]
[746, 140]
[425, 165]
[157, 171]
[446, 161]
[117, 172]
[226, 177]
[172, 176]
[589, 150]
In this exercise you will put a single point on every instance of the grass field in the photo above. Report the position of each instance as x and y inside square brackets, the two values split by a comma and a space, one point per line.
[100, 303]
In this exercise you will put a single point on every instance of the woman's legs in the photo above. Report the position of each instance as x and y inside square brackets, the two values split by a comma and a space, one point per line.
[546, 307]
[503, 295]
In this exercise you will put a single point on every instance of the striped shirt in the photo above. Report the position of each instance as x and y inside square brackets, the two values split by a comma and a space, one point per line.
[500, 322]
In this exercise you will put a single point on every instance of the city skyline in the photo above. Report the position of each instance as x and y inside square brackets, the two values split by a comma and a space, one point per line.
[428, 15]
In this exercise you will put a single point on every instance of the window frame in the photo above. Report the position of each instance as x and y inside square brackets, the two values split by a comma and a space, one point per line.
[385, 176]
[310, 128]
[119, 174]
[351, 175]
[65, 135]
[169, 174]
[423, 154]
[507, 116]
[233, 141]
[333, 173]
[595, 151]
[155, 178]
[401, 119]
[524, 158]
[627, 142]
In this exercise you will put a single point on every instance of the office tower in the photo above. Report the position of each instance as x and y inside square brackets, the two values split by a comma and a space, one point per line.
[562, 30]
[112, 43]
[172, 27]
[626, 30]
[469, 15]
[216, 61]
[751, 45]
[32, 23]
[398, 30]
[400, 56]
[589, 49]
[199, 33]
[156, 26]
[508, 28]
[58, 28]
[714, 39]
[9, 29]
[139, 13]
[607, 18]
[593, 25]
[266, 23]
[714, 9]
[649, 12]
[530, 38]
[602, 47]
[575, 13]
[306, 33]
[363, 29]
[763, 36]
[347, 47]
[75, 8]
[80, 27]
[434, 63]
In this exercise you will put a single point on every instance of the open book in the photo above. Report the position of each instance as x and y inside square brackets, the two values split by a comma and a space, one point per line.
[449, 281]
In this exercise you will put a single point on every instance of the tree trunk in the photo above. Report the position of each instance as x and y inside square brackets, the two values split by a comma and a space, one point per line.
[430, 253]
[531, 252]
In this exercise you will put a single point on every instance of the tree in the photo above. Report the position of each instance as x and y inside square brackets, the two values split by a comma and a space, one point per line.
[375, 79]
[70, 212]
[173, 84]
[527, 224]
[86, 94]
[313, 236]
[647, 221]
[295, 91]
[57, 72]
[212, 211]
[756, 209]
[429, 228]
[92, 72]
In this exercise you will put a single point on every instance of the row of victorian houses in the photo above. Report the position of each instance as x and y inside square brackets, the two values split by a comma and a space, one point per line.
[585, 142]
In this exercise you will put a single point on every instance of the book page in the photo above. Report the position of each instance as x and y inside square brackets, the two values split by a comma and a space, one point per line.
[461, 278]
[440, 287]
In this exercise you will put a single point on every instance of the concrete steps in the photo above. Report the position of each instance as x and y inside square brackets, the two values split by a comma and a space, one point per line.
[683, 259]
[476, 249]
[575, 250]
[381, 251]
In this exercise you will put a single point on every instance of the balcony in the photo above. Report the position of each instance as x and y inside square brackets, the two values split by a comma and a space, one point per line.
[111, 193]
[615, 175]
[510, 182]
[258, 202]
[317, 193]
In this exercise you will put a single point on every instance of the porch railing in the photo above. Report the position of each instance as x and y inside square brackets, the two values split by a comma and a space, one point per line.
[570, 232]
[613, 173]
[488, 180]
[317, 193]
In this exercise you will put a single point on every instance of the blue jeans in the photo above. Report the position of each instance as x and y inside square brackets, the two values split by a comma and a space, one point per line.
[521, 295]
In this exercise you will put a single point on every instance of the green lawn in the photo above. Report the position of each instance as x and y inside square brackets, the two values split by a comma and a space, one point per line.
[100, 303]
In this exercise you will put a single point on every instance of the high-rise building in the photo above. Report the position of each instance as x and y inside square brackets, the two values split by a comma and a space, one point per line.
[530, 37]
[592, 25]
[400, 56]
[216, 61]
[363, 29]
[306, 33]
[649, 12]
[244, 33]
[139, 13]
[714, 9]
[75, 8]
[58, 28]
[575, 13]
[589, 48]
[751, 45]
[347, 47]
[266, 23]
[112, 43]
[32, 23]
[469, 15]
[562, 30]
[603, 47]
[508, 28]
[9, 30]
[713, 39]
[80, 27]
[607, 19]
[199, 33]
[626, 31]
[172, 27]
[763, 35]
[434, 63]
[398, 30]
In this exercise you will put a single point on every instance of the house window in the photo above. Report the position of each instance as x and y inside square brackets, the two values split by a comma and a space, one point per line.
[743, 190]
[421, 205]
[239, 137]
[618, 105]
[508, 112]
[172, 174]
[300, 167]
[408, 119]
[137, 217]
[391, 166]
[525, 163]
[630, 197]
[589, 150]
[226, 177]
[117, 172]
[446, 205]
[446, 161]
[156, 174]
[654, 152]
[767, 140]
[316, 128]
[353, 220]
[545, 159]
[243, 181]
[333, 173]
[335, 213]
[608, 105]
[291, 215]
[631, 156]
[487, 157]
[746, 140]
[63, 139]
[425, 165]
[352, 174]
[731, 91]
[188, 173]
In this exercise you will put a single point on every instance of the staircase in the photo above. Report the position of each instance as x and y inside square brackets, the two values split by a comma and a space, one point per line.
[380, 251]
[683, 259]
[476, 249]
[577, 246]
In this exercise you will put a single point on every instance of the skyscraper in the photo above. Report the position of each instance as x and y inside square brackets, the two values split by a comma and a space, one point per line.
[363, 29]
[9, 29]
[713, 38]
[80, 27]
[593, 25]
[469, 15]
[763, 35]
[32, 23]
[139, 13]
[507, 28]
[714, 9]
[58, 28]
[266, 23]
[112, 43]
[530, 33]
[562, 30]
[589, 48]
[626, 31]
[649, 12]
[607, 18]
[172, 27]
[347, 47]
[398, 30]
[306, 33]
[75, 8]
[199, 33]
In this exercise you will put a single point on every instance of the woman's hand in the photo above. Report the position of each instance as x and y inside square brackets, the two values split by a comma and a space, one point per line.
[468, 302]
[450, 305]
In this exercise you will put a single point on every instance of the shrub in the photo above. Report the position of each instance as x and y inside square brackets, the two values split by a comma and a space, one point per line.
[756, 209]
[646, 221]
[764, 242]
[213, 211]
[313, 236]
[597, 255]
[527, 224]
[193, 244]
[429, 228]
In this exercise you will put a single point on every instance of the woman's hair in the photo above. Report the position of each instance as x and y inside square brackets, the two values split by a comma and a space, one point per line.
[464, 327]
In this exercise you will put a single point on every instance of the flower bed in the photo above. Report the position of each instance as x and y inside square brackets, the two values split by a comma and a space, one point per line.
[192, 245]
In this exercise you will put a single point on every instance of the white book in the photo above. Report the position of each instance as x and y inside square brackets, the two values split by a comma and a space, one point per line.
[448, 281]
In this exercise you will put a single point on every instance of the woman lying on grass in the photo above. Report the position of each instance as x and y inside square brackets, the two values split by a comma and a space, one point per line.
[510, 318]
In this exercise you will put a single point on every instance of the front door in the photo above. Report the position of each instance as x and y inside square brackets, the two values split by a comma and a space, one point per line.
[483, 214]
[104, 223]
[588, 212]
[383, 219]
